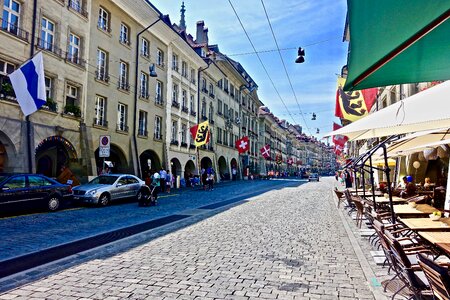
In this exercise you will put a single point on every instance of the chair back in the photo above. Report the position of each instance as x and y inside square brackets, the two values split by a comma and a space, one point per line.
[438, 277]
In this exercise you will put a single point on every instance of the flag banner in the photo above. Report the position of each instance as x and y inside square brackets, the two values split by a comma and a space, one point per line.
[353, 105]
[28, 82]
[290, 161]
[200, 133]
[265, 151]
[243, 145]
[278, 159]
[338, 140]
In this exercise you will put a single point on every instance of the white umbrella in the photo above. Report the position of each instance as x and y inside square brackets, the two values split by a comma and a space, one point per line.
[426, 110]
[419, 141]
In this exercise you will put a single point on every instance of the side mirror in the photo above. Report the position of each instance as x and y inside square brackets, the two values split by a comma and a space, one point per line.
[119, 184]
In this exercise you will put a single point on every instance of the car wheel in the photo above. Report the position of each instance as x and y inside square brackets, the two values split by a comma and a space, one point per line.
[103, 200]
[53, 203]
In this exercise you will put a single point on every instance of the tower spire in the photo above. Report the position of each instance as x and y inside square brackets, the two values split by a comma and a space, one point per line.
[182, 20]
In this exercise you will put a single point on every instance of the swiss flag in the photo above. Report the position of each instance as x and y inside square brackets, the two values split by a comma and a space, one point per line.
[243, 145]
[265, 151]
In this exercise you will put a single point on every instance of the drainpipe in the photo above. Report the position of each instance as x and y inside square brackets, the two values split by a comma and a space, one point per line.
[136, 75]
[27, 118]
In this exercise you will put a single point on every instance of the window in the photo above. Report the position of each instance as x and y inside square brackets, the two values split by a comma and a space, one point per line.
[220, 83]
[123, 76]
[225, 85]
[145, 47]
[211, 112]
[175, 62]
[157, 132]
[192, 104]
[73, 54]
[142, 123]
[204, 85]
[225, 138]
[193, 75]
[71, 95]
[175, 93]
[158, 96]
[124, 34]
[174, 131]
[144, 85]
[204, 109]
[102, 61]
[17, 182]
[184, 99]
[183, 133]
[231, 90]
[219, 107]
[211, 90]
[48, 87]
[225, 110]
[122, 117]
[78, 7]
[231, 115]
[11, 15]
[38, 181]
[160, 58]
[219, 135]
[184, 69]
[47, 35]
[103, 20]
[100, 109]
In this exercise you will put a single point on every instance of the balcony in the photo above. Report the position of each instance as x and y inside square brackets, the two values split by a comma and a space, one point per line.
[100, 122]
[76, 6]
[50, 106]
[122, 127]
[142, 132]
[174, 142]
[14, 30]
[175, 104]
[102, 76]
[123, 85]
[184, 144]
[184, 109]
[159, 100]
[204, 90]
[44, 45]
[193, 113]
[72, 110]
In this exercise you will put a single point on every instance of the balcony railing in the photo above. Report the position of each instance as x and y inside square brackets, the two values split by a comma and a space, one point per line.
[76, 6]
[184, 144]
[123, 85]
[184, 109]
[157, 136]
[14, 30]
[192, 146]
[122, 127]
[175, 104]
[102, 76]
[211, 95]
[204, 118]
[174, 142]
[193, 113]
[100, 122]
[44, 45]
[75, 59]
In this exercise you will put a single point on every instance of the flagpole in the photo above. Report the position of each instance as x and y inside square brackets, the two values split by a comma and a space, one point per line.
[27, 118]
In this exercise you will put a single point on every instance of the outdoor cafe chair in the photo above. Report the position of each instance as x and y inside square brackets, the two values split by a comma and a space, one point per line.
[350, 205]
[438, 276]
[359, 211]
[340, 195]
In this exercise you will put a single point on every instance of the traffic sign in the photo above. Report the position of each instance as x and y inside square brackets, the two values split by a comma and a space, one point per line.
[104, 149]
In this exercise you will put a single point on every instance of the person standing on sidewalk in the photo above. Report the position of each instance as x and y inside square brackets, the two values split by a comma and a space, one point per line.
[168, 181]
[162, 179]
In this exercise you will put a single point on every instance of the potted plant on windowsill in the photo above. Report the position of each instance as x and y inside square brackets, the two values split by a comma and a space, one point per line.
[50, 105]
[7, 91]
[72, 110]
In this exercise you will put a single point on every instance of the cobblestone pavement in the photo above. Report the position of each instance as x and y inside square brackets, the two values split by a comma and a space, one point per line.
[289, 243]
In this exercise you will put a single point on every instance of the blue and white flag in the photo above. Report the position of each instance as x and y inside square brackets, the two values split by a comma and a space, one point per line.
[29, 85]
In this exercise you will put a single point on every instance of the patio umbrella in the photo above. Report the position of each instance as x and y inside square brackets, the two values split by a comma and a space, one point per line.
[393, 42]
[426, 110]
[419, 141]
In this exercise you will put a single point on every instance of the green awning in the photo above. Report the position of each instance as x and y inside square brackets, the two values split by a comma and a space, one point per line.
[401, 41]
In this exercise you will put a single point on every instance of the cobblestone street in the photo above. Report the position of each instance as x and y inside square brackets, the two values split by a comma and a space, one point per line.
[288, 243]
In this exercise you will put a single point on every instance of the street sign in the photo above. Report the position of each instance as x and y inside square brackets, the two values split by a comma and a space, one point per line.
[104, 148]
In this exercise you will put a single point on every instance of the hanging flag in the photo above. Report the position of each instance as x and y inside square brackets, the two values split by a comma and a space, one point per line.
[278, 159]
[200, 133]
[28, 82]
[353, 105]
[265, 151]
[290, 161]
[243, 145]
[338, 140]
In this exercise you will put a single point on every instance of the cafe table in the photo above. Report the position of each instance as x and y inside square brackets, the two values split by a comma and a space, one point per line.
[420, 210]
[395, 200]
[440, 239]
[418, 224]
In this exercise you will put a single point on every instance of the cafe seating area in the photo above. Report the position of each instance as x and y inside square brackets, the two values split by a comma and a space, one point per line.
[412, 236]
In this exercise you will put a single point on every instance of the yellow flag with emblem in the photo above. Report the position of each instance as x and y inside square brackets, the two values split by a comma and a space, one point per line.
[200, 133]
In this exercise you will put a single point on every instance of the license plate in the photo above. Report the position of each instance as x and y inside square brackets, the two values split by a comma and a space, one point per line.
[76, 198]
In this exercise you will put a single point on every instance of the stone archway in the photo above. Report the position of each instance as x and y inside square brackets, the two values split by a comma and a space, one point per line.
[206, 163]
[223, 168]
[52, 153]
[118, 160]
[189, 168]
[175, 167]
[149, 161]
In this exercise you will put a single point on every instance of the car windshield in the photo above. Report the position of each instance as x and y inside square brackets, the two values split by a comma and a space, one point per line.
[104, 180]
[3, 177]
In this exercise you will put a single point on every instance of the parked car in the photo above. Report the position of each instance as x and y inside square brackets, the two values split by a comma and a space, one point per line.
[18, 189]
[110, 187]
[313, 177]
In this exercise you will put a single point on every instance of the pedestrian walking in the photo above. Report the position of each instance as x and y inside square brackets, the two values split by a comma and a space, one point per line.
[168, 181]
[234, 173]
[162, 179]
[204, 177]
[156, 184]
[348, 179]
[210, 180]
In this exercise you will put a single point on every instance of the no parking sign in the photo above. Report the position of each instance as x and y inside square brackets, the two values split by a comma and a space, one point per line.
[104, 148]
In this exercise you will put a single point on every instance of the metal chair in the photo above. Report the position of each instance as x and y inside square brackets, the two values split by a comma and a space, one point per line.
[438, 276]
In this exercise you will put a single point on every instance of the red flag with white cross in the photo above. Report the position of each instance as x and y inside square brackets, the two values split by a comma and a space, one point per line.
[243, 145]
[265, 151]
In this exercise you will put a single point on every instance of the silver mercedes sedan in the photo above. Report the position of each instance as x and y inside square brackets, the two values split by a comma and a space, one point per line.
[106, 188]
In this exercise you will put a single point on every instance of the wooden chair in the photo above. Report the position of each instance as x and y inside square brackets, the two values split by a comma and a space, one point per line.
[340, 195]
[359, 211]
[438, 276]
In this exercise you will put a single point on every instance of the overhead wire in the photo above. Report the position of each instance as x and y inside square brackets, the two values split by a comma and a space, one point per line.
[284, 66]
[260, 60]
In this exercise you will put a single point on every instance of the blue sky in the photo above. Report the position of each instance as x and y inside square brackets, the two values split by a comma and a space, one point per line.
[315, 25]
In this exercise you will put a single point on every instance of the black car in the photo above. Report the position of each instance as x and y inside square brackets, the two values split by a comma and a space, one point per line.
[32, 189]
